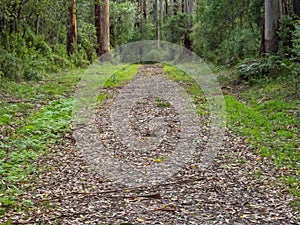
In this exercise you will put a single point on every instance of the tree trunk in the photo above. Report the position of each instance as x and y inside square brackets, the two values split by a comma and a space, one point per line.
[102, 26]
[145, 9]
[190, 12]
[157, 21]
[72, 30]
[37, 24]
[188, 8]
[167, 7]
[161, 12]
[273, 12]
[296, 7]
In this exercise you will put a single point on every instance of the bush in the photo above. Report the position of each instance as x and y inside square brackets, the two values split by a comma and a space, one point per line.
[270, 66]
[175, 28]
[285, 36]
[10, 65]
[23, 58]
[79, 57]
[29, 57]
[59, 59]
[32, 74]
[296, 41]
[242, 43]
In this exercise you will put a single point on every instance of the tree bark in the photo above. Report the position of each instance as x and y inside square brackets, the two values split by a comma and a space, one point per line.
[72, 30]
[187, 8]
[157, 21]
[273, 13]
[190, 12]
[145, 9]
[296, 7]
[102, 26]
[167, 7]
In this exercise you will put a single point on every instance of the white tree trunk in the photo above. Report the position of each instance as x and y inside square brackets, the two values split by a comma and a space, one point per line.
[273, 12]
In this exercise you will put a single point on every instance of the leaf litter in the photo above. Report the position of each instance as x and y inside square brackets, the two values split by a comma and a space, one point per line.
[239, 188]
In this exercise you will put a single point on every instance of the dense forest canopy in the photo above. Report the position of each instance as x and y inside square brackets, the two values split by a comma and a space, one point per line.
[38, 36]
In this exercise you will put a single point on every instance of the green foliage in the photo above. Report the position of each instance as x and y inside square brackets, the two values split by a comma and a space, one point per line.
[285, 36]
[146, 31]
[225, 32]
[161, 103]
[28, 142]
[79, 57]
[241, 43]
[21, 58]
[155, 55]
[253, 70]
[59, 59]
[87, 39]
[175, 27]
[269, 119]
[122, 22]
[29, 131]
[190, 86]
[296, 41]
[33, 36]
[122, 76]
[271, 131]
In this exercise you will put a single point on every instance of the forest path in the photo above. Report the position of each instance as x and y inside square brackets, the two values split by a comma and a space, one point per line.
[238, 188]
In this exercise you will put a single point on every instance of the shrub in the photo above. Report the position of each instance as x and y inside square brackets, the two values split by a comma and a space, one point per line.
[296, 41]
[10, 65]
[241, 43]
[270, 66]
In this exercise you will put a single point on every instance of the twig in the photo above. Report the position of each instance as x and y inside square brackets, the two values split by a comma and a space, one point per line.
[102, 193]
[38, 221]
[171, 210]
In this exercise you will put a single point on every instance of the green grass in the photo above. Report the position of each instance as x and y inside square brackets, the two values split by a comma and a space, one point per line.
[33, 115]
[36, 115]
[190, 86]
[21, 99]
[161, 103]
[54, 86]
[122, 76]
[267, 114]
[269, 129]
[26, 144]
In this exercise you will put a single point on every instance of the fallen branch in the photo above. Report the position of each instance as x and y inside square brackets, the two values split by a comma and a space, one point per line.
[103, 194]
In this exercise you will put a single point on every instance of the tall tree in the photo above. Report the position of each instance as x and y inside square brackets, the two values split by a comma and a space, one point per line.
[145, 9]
[166, 7]
[72, 31]
[273, 13]
[296, 6]
[187, 10]
[102, 26]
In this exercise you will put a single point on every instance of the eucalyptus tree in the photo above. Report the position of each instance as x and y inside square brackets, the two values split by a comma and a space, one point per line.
[272, 16]
[72, 30]
[102, 26]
